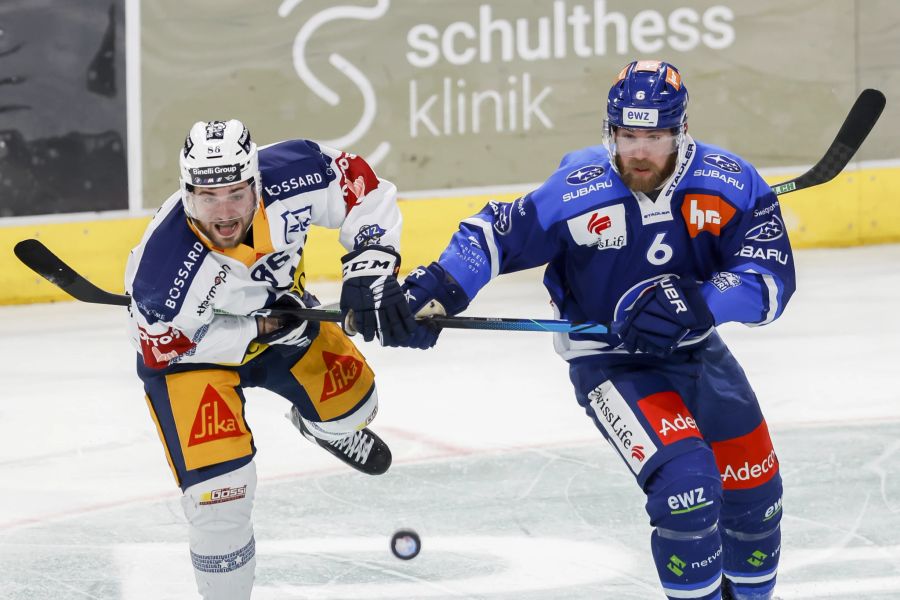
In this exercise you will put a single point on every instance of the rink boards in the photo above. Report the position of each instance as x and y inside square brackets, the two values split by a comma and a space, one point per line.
[859, 207]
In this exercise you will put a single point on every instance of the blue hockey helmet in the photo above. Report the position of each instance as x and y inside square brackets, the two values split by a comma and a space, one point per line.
[647, 94]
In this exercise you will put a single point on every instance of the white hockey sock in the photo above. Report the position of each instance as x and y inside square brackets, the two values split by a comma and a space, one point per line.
[223, 549]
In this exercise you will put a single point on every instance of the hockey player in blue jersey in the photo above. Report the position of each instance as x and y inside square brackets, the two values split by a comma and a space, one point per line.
[220, 255]
[665, 238]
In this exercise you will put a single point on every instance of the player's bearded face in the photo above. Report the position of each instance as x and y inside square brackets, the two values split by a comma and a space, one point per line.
[224, 214]
[645, 158]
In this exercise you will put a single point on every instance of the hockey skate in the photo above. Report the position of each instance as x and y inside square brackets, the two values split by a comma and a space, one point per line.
[362, 450]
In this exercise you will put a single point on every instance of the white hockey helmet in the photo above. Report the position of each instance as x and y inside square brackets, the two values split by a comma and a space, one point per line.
[217, 154]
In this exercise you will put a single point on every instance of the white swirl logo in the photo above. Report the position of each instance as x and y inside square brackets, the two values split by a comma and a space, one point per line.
[370, 102]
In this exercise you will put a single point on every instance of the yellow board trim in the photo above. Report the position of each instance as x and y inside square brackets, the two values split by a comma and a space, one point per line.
[857, 207]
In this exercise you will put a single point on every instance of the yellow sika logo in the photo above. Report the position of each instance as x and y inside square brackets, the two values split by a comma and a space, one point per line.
[214, 420]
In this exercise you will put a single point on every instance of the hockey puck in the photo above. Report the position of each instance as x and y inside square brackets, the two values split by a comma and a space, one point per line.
[405, 544]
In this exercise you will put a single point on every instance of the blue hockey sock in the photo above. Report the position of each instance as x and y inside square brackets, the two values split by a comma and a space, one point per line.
[751, 562]
[689, 567]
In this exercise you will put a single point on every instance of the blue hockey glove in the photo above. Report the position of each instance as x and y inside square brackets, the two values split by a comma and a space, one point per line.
[291, 332]
[371, 300]
[663, 316]
[430, 291]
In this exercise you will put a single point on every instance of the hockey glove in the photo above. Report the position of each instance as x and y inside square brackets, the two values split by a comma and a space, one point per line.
[663, 316]
[431, 291]
[291, 332]
[371, 300]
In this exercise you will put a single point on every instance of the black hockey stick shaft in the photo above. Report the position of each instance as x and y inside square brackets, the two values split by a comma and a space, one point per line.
[40, 259]
[859, 122]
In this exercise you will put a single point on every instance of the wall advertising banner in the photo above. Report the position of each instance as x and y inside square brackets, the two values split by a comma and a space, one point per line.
[481, 93]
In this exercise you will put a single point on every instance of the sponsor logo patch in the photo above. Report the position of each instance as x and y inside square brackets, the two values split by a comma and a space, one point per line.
[368, 235]
[214, 175]
[604, 228]
[160, 349]
[769, 231]
[220, 279]
[621, 425]
[725, 281]
[640, 117]
[341, 373]
[215, 130]
[767, 254]
[226, 494]
[669, 417]
[214, 420]
[748, 461]
[502, 216]
[584, 175]
[705, 213]
[722, 162]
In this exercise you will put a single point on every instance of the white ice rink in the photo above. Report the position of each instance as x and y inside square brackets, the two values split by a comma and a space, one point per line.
[515, 494]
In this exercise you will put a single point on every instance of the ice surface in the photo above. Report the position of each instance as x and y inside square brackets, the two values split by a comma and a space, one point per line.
[514, 492]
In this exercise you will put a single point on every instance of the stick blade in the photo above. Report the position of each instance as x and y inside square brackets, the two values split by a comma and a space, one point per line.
[862, 118]
[853, 132]
[856, 128]
[37, 257]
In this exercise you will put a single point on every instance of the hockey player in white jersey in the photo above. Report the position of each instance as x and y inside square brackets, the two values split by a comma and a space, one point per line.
[218, 257]
[665, 238]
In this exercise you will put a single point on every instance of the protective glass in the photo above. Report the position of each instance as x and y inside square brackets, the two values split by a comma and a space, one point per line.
[656, 142]
[215, 205]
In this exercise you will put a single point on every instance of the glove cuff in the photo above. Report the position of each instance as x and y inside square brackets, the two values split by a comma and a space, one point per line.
[370, 261]
[441, 286]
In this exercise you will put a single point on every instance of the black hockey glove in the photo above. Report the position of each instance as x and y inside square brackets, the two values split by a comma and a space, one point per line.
[431, 291]
[371, 300]
[292, 332]
[667, 313]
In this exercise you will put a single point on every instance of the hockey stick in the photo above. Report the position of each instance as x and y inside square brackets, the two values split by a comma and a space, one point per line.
[859, 122]
[37, 257]
[856, 127]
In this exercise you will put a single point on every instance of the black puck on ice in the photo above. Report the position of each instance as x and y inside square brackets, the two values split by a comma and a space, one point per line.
[405, 544]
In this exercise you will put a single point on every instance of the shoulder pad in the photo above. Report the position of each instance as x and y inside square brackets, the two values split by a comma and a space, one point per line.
[724, 172]
[169, 263]
[583, 181]
[291, 168]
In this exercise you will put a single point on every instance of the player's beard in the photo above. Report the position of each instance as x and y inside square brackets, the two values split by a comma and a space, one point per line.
[645, 182]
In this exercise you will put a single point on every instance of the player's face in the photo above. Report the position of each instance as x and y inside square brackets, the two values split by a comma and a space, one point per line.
[224, 214]
[645, 157]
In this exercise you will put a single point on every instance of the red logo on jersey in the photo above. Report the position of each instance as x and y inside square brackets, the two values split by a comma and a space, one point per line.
[637, 453]
[214, 420]
[747, 461]
[703, 212]
[669, 417]
[159, 350]
[340, 374]
[357, 178]
[598, 223]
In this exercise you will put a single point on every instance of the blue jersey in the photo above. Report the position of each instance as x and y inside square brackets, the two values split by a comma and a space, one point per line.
[715, 220]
